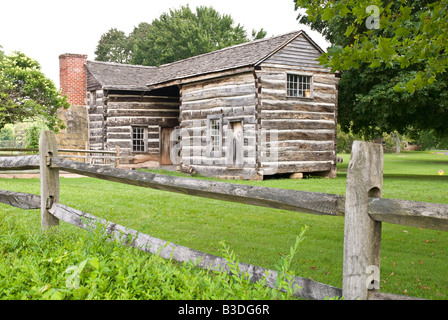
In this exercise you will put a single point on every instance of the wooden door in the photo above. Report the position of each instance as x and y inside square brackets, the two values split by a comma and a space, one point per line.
[165, 146]
[236, 147]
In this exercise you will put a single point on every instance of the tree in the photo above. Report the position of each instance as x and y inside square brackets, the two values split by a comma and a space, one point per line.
[175, 35]
[393, 60]
[113, 46]
[26, 94]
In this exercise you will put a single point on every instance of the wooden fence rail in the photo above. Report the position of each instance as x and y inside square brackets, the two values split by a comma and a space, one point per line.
[403, 212]
[363, 208]
[89, 155]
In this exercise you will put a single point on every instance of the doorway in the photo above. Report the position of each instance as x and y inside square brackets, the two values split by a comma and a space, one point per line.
[165, 146]
[235, 148]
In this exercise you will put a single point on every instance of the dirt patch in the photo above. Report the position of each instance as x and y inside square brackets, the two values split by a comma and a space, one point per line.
[35, 175]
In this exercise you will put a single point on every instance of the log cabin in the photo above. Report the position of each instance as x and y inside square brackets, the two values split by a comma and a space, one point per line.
[248, 111]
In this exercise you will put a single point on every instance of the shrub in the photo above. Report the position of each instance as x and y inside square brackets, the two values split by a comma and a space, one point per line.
[77, 265]
[32, 137]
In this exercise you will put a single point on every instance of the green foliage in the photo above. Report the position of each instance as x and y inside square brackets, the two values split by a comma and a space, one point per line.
[413, 259]
[113, 46]
[77, 265]
[7, 134]
[175, 35]
[429, 141]
[32, 137]
[345, 140]
[407, 33]
[369, 105]
[394, 75]
[26, 94]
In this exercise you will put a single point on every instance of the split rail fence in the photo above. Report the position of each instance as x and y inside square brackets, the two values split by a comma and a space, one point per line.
[363, 208]
[99, 157]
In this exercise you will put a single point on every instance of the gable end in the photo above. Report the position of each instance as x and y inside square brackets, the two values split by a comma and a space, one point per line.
[299, 52]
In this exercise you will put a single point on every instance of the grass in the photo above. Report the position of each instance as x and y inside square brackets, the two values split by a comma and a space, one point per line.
[413, 260]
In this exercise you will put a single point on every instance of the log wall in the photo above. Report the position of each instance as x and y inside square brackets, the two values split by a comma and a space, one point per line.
[306, 127]
[97, 116]
[234, 98]
[151, 112]
[111, 120]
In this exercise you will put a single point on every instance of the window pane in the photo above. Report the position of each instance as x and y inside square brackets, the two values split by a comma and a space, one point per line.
[215, 135]
[305, 86]
[298, 86]
[292, 85]
[138, 139]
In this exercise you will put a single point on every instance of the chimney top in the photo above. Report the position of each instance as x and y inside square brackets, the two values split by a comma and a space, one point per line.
[72, 76]
[75, 55]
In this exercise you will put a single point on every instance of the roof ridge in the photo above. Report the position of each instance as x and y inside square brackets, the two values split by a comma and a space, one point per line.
[246, 54]
[122, 64]
[197, 56]
[231, 47]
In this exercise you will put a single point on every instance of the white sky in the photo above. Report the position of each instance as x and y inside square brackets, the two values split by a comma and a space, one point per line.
[44, 29]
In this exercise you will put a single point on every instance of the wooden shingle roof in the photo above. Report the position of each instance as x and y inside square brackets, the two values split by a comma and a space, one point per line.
[115, 76]
[130, 77]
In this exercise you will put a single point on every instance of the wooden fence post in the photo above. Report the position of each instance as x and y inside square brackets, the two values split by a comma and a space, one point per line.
[362, 235]
[49, 179]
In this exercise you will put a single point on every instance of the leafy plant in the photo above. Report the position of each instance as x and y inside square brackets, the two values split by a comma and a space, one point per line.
[175, 35]
[74, 264]
[32, 137]
[286, 276]
[26, 94]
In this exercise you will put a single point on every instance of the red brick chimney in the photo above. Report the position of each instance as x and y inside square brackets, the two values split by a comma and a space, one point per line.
[72, 76]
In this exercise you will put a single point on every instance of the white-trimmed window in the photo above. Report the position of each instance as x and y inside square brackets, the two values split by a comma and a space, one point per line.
[139, 139]
[214, 135]
[299, 86]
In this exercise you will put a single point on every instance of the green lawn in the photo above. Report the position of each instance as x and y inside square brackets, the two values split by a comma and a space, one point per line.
[414, 261]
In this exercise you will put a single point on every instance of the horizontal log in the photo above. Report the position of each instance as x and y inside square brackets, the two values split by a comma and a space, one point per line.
[220, 92]
[237, 79]
[299, 201]
[306, 156]
[19, 163]
[301, 145]
[271, 115]
[143, 113]
[320, 96]
[96, 126]
[20, 200]
[128, 136]
[312, 135]
[149, 99]
[228, 112]
[402, 212]
[141, 105]
[309, 289]
[410, 213]
[326, 78]
[162, 121]
[322, 88]
[376, 295]
[296, 104]
[95, 110]
[88, 151]
[119, 136]
[282, 124]
[239, 101]
[297, 166]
